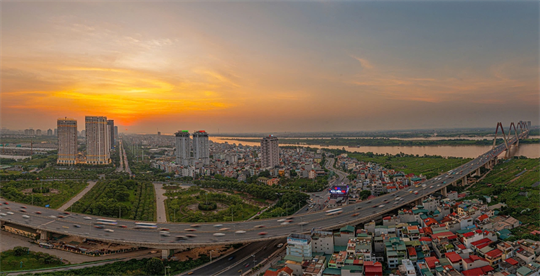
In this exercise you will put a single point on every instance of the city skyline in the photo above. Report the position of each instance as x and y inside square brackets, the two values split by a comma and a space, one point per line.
[280, 67]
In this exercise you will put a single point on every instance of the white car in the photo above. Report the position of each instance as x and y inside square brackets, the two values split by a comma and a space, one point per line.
[109, 230]
[382, 205]
[52, 216]
[26, 216]
[219, 234]
[10, 213]
[238, 232]
[3, 214]
[87, 218]
[165, 233]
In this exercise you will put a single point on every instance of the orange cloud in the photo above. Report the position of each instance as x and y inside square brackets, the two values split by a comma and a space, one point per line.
[121, 94]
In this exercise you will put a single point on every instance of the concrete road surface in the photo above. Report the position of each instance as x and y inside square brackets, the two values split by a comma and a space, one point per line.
[262, 254]
[160, 202]
[224, 265]
[78, 196]
[9, 241]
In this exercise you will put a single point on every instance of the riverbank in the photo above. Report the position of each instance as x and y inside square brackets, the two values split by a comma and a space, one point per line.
[381, 142]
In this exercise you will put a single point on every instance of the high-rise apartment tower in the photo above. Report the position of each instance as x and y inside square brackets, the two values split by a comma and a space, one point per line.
[201, 150]
[67, 141]
[183, 148]
[269, 152]
[110, 125]
[97, 140]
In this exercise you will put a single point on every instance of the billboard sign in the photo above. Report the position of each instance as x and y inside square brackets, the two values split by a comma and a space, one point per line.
[339, 190]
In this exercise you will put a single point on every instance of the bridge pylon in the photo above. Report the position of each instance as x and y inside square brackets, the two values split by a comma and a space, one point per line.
[507, 138]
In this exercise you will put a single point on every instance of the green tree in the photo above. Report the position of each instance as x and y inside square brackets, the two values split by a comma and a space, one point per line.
[122, 196]
[365, 194]
[19, 250]
[154, 266]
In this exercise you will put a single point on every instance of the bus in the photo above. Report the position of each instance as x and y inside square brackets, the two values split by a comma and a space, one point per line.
[106, 221]
[145, 225]
[334, 210]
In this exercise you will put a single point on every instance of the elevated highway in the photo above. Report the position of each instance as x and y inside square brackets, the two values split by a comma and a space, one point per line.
[206, 232]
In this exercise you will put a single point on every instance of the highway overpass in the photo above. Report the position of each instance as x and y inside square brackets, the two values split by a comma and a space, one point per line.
[206, 232]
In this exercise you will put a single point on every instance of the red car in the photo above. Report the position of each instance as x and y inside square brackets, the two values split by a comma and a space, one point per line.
[24, 207]
[66, 213]
[123, 226]
[374, 206]
[262, 233]
[6, 203]
[98, 226]
[61, 217]
[38, 212]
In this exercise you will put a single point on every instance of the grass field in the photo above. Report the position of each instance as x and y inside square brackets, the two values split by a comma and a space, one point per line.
[231, 206]
[506, 184]
[61, 191]
[429, 166]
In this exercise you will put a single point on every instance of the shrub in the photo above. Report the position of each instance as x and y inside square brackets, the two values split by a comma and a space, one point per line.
[207, 206]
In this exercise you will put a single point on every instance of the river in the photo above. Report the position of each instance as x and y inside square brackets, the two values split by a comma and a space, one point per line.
[528, 150]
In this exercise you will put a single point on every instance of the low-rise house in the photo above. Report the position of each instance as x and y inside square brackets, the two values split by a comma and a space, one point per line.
[494, 256]
[315, 267]
[373, 269]
[407, 268]
[473, 262]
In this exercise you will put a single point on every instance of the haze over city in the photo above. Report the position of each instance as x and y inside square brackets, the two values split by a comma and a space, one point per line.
[258, 67]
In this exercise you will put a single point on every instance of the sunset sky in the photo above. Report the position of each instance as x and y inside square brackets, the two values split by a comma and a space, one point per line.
[270, 67]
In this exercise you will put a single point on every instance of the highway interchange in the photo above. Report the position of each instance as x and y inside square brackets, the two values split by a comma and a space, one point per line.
[251, 231]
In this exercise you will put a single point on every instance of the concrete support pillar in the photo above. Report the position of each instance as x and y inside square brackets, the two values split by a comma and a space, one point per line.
[464, 181]
[444, 191]
[419, 201]
[44, 235]
[165, 253]
[478, 172]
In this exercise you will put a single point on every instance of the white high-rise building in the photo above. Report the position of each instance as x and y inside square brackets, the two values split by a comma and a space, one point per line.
[67, 141]
[183, 148]
[201, 150]
[269, 152]
[97, 140]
